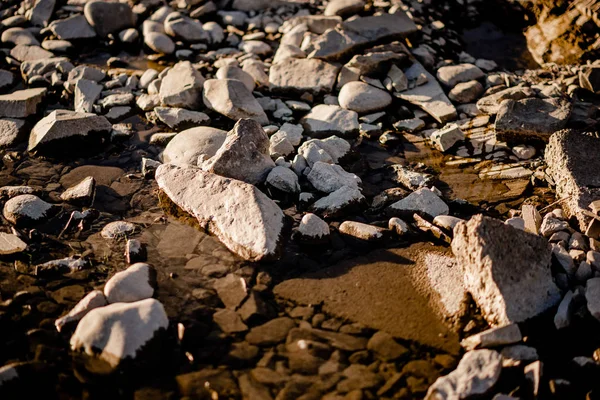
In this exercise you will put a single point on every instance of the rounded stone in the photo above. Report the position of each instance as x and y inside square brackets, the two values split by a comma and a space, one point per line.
[159, 42]
[363, 98]
[117, 230]
[188, 145]
[133, 284]
[26, 209]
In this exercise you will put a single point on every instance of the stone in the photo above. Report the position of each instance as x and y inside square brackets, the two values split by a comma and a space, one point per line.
[185, 28]
[329, 150]
[422, 200]
[313, 227]
[7, 79]
[130, 35]
[565, 310]
[86, 94]
[182, 86]
[57, 46]
[303, 75]
[443, 139]
[454, 74]
[362, 232]
[188, 145]
[233, 72]
[466, 92]
[361, 32]
[232, 99]
[410, 125]
[82, 193]
[29, 53]
[119, 331]
[328, 178]
[344, 8]
[159, 42]
[385, 347]
[244, 154]
[27, 210]
[338, 202]
[363, 98]
[495, 337]
[491, 104]
[22, 103]
[12, 131]
[92, 300]
[11, 244]
[255, 47]
[531, 119]
[592, 296]
[283, 179]
[64, 125]
[398, 226]
[571, 160]
[326, 120]
[430, 97]
[532, 218]
[476, 374]
[229, 321]
[179, 118]
[41, 12]
[117, 230]
[227, 208]
[19, 36]
[507, 271]
[85, 72]
[270, 333]
[135, 283]
[108, 17]
[232, 290]
[75, 27]
[523, 151]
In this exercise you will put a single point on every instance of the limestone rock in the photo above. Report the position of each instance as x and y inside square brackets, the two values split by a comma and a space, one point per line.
[135, 283]
[82, 193]
[27, 210]
[232, 99]
[326, 120]
[242, 217]
[75, 27]
[182, 86]
[12, 131]
[303, 75]
[507, 270]
[363, 98]
[11, 244]
[422, 200]
[188, 145]
[22, 103]
[179, 118]
[454, 74]
[328, 178]
[92, 300]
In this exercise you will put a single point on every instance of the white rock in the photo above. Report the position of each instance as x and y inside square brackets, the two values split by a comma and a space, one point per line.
[92, 300]
[83, 192]
[11, 244]
[177, 118]
[523, 151]
[21, 103]
[443, 139]
[232, 99]
[363, 98]
[234, 72]
[117, 230]
[328, 178]
[326, 120]
[477, 372]
[284, 179]
[182, 86]
[358, 230]
[188, 145]
[26, 209]
[311, 226]
[159, 42]
[446, 221]
[133, 284]
[453, 74]
[397, 225]
[495, 337]
[516, 222]
[119, 331]
[329, 150]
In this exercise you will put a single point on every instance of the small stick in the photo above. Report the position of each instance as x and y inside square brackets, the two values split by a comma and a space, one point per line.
[555, 203]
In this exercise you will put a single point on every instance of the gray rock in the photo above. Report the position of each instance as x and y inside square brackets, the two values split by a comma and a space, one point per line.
[313, 227]
[75, 27]
[27, 209]
[246, 210]
[92, 300]
[11, 244]
[454, 74]
[326, 120]
[12, 131]
[256, 47]
[159, 42]
[119, 331]
[360, 231]
[423, 200]
[495, 337]
[180, 118]
[233, 72]
[571, 159]
[430, 97]
[229, 321]
[7, 79]
[57, 46]
[466, 92]
[244, 155]
[443, 139]
[41, 12]
[135, 283]
[23, 52]
[476, 374]
[363, 98]
[491, 104]
[362, 31]
[85, 72]
[82, 193]
[130, 35]
[232, 99]
[270, 333]
[303, 75]
[338, 202]
[592, 296]
[531, 119]
[64, 124]
[117, 230]
[182, 86]
[182, 27]
[344, 8]
[232, 290]
[385, 347]
[507, 271]
[562, 319]
[411, 179]
[328, 178]
[329, 150]
[19, 36]
[284, 179]
[514, 356]
[22, 103]
[86, 94]
[108, 17]
[187, 146]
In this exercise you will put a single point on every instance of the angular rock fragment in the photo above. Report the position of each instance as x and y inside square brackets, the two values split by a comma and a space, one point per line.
[86, 94]
[241, 216]
[232, 99]
[244, 154]
[363, 232]
[455, 74]
[423, 200]
[443, 139]
[283, 179]
[12, 132]
[119, 331]
[328, 178]
[64, 125]
[182, 86]
[572, 162]
[188, 145]
[494, 337]
[22, 103]
[531, 119]
[180, 118]
[507, 270]
[117, 230]
[338, 202]
[82, 193]
[312, 227]
[326, 120]
[491, 104]
[329, 150]
[303, 75]
[11, 244]
[411, 179]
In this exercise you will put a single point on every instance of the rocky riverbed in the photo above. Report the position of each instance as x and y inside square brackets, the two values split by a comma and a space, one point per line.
[299, 199]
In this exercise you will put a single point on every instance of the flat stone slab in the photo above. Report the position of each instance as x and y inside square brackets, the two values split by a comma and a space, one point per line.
[362, 31]
[303, 75]
[22, 103]
[573, 164]
[531, 119]
[370, 289]
[430, 97]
